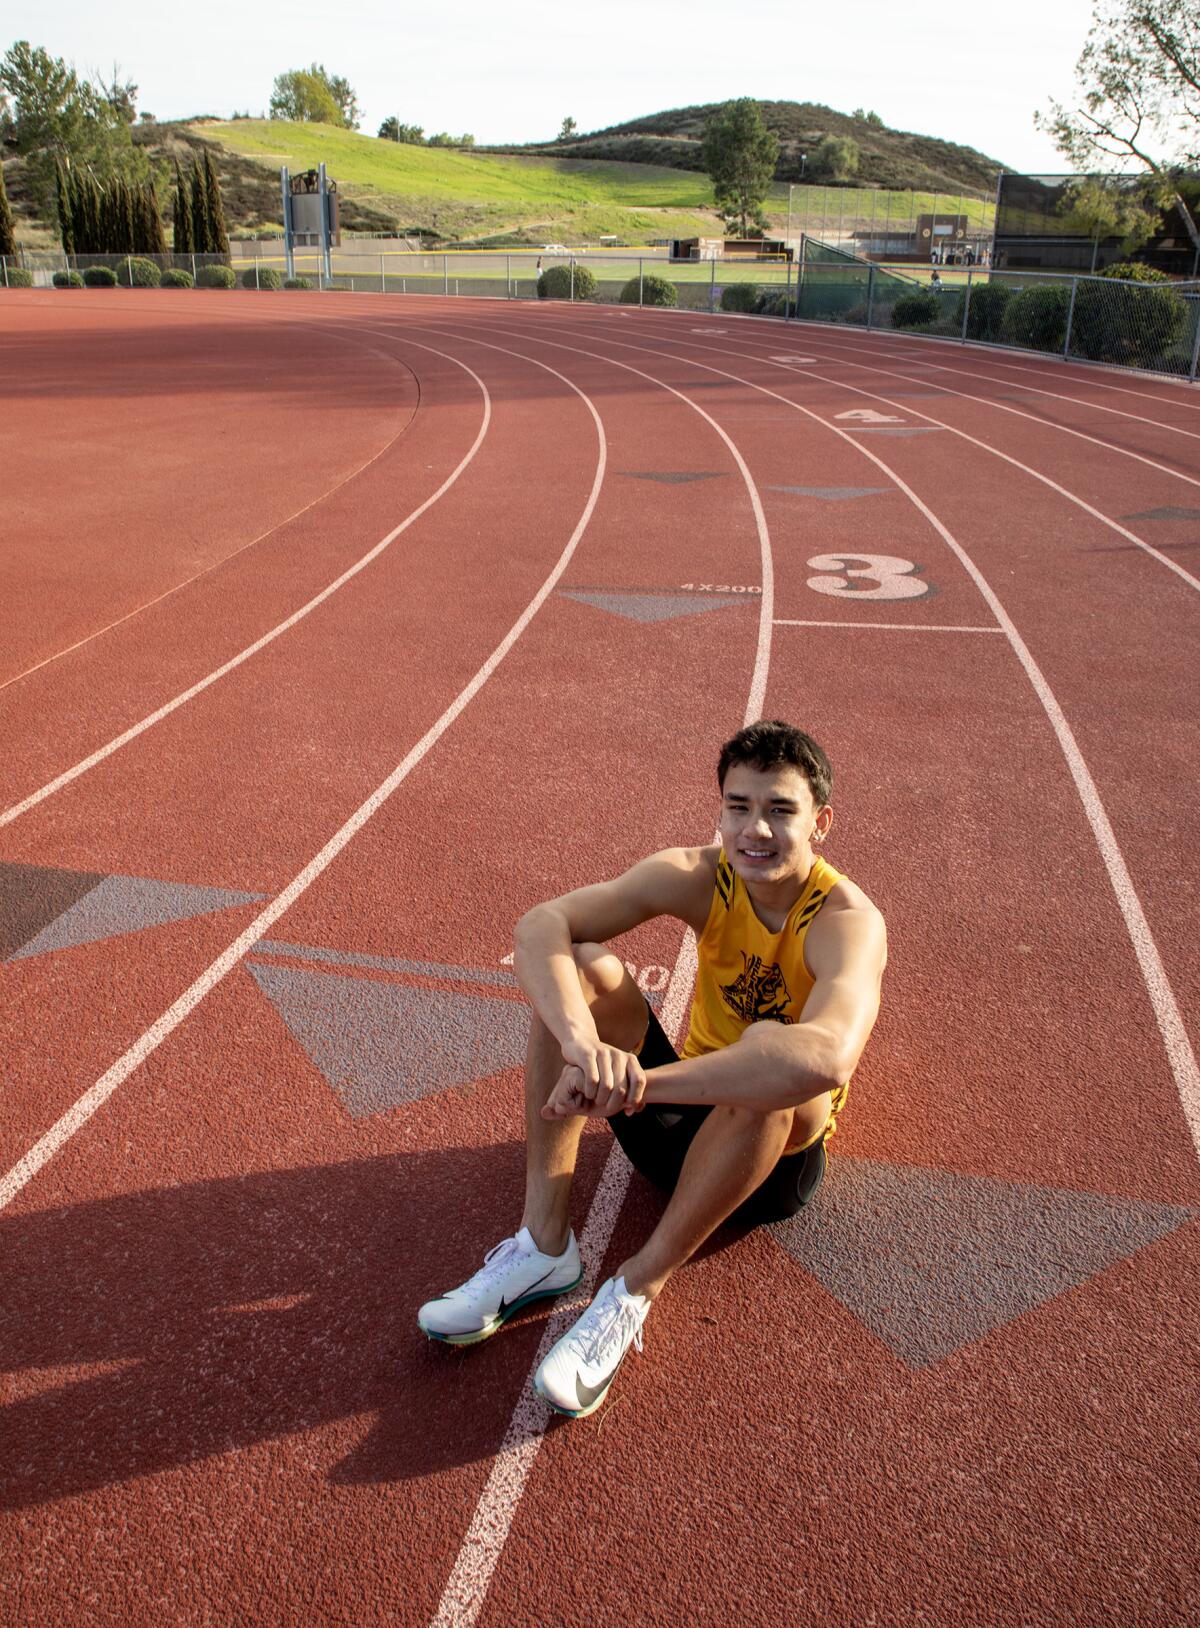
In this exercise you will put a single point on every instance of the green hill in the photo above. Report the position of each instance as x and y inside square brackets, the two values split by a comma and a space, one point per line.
[888, 158]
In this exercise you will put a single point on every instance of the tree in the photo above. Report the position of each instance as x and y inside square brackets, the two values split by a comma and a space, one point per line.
[409, 135]
[569, 128]
[1104, 207]
[835, 158]
[1139, 85]
[184, 242]
[309, 95]
[199, 201]
[740, 154]
[218, 236]
[8, 238]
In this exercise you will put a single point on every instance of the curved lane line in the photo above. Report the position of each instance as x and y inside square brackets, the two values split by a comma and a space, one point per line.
[914, 412]
[79, 1114]
[1178, 1047]
[241, 549]
[115, 745]
[466, 1588]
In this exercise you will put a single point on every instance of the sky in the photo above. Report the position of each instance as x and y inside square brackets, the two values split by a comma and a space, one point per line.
[511, 72]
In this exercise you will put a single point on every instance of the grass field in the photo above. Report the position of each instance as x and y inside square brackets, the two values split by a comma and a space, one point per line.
[563, 200]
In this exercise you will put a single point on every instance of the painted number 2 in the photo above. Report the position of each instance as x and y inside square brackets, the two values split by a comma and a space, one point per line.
[866, 576]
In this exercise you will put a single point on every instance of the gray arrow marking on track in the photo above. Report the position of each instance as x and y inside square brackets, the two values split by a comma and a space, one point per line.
[931, 1260]
[382, 1044]
[657, 607]
[1170, 512]
[831, 494]
[673, 477]
[127, 904]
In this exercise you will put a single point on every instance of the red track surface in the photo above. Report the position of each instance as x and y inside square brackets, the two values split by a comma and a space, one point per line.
[216, 1404]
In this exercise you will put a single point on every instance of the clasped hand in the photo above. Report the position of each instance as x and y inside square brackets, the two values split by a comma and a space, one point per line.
[597, 1080]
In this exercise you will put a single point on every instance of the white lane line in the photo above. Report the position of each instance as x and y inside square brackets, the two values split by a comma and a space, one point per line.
[1180, 1056]
[984, 446]
[466, 1589]
[101, 753]
[889, 627]
[78, 1115]
[225, 560]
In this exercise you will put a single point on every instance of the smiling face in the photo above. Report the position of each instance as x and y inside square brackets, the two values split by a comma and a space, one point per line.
[768, 821]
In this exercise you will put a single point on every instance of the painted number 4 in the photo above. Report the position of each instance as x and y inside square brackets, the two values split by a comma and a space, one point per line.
[866, 576]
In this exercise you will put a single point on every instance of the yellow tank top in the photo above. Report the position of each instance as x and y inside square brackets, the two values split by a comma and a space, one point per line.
[747, 973]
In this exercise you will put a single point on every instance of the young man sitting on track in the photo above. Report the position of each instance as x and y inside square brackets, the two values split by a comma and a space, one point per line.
[791, 954]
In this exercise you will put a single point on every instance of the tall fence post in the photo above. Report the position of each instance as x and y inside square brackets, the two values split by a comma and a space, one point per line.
[1195, 342]
[257, 281]
[572, 277]
[1070, 315]
[4, 260]
[508, 277]
[129, 268]
[383, 273]
[641, 277]
[445, 274]
[870, 293]
[967, 307]
[712, 287]
[193, 268]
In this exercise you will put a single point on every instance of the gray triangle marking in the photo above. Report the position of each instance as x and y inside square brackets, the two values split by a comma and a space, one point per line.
[657, 607]
[380, 1045]
[831, 494]
[127, 904]
[1169, 512]
[931, 1260]
[673, 477]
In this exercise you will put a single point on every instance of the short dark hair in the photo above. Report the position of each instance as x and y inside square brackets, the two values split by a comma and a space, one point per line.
[769, 744]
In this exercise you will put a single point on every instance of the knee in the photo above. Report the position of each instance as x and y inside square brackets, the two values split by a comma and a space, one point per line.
[601, 972]
[809, 1119]
[617, 1005]
[754, 1122]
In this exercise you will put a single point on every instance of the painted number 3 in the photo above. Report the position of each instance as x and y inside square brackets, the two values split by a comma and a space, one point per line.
[866, 576]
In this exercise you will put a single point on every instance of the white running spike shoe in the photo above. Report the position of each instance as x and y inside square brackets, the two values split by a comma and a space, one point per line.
[578, 1371]
[513, 1275]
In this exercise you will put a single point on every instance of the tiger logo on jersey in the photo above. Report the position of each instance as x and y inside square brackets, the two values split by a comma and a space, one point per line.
[758, 994]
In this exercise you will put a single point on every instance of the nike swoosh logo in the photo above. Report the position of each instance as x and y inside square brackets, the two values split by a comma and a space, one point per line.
[507, 1305]
[588, 1394]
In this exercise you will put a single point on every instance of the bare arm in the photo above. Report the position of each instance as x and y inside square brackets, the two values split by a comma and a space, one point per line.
[777, 1065]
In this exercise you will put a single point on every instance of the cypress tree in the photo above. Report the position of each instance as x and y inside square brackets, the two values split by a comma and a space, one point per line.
[218, 236]
[156, 237]
[66, 218]
[199, 210]
[128, 230]
[96, 218]
[77, 204]
[184, 242]
[8, 236]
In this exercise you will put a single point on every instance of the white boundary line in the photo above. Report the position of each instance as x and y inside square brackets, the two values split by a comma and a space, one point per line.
[78, 1115]
[101, 753]
[1180, 1056]
[888, 627]
[466, 1588]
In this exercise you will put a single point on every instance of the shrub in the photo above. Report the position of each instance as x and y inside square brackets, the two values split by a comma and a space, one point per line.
[1133, 271]
[67, 279]
[1115, 323]
[176, 277]
[653, 291]
[217, 276]
[556, 284]
[100, 277]
[1037, 317]
[298, 282]
[261, 277]
[854, 314]
[775, 303]
[137, 272]
[19, 277]
[739, 297]
[915, 310]
[985, 314]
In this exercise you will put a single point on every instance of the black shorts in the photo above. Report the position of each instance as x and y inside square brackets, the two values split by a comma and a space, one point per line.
[657, 1139]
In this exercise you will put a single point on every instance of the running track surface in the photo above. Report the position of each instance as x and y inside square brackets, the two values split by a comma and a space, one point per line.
[262, 1090]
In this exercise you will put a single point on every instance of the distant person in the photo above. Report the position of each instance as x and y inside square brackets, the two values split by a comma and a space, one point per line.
[935, 283]
[791, 954]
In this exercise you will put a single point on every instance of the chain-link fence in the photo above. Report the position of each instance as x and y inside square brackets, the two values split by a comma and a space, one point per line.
[1150, 326]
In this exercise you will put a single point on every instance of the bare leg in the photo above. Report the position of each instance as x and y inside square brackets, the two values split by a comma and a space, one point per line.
[619, 1011]
[733, 1151]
